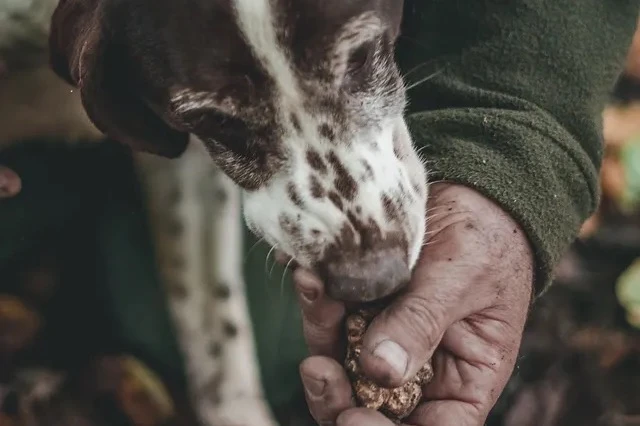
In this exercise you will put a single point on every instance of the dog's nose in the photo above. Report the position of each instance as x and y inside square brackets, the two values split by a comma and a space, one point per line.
[373, 276]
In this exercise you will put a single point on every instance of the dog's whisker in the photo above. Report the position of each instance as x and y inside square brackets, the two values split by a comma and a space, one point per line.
[451, 212]
[423, 80]
[429, 242]
[416, 68]
[433, 182]
[253, 247]
[433, 216]
[431, 209]
[266, 259]
[273, 265]
[419, 150]
[284, 273]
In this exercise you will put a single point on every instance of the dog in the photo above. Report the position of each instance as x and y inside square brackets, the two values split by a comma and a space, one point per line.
[287, 113]
[299, 103]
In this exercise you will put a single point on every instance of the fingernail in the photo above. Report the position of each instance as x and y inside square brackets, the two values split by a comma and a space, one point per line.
[394, 355]
[315, 387]
[309, 296]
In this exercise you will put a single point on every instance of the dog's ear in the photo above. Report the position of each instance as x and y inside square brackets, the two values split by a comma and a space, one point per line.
[364, 22]
[392, 12]
[84, 53]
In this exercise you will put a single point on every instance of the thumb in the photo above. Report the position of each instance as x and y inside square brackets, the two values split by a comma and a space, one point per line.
[446, 287]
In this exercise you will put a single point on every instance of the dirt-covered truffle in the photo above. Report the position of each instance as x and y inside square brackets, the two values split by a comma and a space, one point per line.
[396, 403]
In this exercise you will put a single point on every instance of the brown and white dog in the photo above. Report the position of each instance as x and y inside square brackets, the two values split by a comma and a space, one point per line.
[299, 103]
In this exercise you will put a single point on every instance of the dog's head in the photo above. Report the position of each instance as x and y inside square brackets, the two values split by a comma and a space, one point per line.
[299, 102]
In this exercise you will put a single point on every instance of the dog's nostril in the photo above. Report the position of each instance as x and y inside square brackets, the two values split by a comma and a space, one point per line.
[373, 276]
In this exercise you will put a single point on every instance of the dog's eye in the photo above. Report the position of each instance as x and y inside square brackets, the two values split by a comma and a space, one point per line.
[226, 129]
[361, 58]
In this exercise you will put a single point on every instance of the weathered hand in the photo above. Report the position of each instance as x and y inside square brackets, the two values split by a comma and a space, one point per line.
[466, 307]
[10, 183]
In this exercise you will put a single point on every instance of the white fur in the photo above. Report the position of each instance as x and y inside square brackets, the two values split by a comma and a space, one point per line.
[355, 32]
[256, 21]
[263, 208]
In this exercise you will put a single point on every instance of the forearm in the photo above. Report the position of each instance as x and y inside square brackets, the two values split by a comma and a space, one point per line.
[515, 107]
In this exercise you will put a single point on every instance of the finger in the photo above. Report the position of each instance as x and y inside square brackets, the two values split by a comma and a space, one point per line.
[362, 417]
[441, 413]
[10, 183]
[451, 281]
[281, 258]
[472, 366]
[327, 389]
[285, 260]
[322, 317]
[478, 359]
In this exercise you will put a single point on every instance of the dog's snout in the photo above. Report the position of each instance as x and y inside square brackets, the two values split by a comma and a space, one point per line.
[373, 276]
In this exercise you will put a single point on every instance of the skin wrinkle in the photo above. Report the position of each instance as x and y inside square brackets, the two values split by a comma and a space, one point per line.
[487, 357]
[456, 379]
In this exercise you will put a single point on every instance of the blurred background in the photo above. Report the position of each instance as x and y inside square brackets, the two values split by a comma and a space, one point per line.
[85, 337]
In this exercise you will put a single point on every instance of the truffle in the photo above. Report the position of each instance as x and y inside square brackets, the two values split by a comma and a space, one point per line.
[397, 403]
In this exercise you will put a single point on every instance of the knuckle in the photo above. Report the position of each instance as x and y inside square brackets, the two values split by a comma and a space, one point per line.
[317, 334]
[423, 319]
[322, 335]
[324, 318]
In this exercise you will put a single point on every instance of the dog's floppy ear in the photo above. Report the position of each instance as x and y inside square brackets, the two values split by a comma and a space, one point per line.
[84, 53]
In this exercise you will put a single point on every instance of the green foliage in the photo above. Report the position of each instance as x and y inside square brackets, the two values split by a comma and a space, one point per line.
[630, 161]
[628, 292]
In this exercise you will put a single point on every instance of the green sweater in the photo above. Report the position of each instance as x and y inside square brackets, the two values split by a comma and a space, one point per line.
[513, 110]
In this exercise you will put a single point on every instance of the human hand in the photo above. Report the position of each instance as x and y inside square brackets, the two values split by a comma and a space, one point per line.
[10, 183]
[466, 307]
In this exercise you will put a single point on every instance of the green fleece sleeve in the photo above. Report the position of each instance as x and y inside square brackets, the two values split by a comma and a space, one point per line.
[513, 108]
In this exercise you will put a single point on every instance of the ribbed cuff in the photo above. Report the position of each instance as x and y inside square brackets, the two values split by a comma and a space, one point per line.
[525, 162]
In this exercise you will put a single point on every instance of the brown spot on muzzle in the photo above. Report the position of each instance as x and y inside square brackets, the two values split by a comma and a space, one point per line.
[345, 184]
[316, 162]
[368, 171]
[290, 226]
[327, 132]
[295, 122]
[391, 210]
[336, 200]
[317, 191]
[294, 195]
